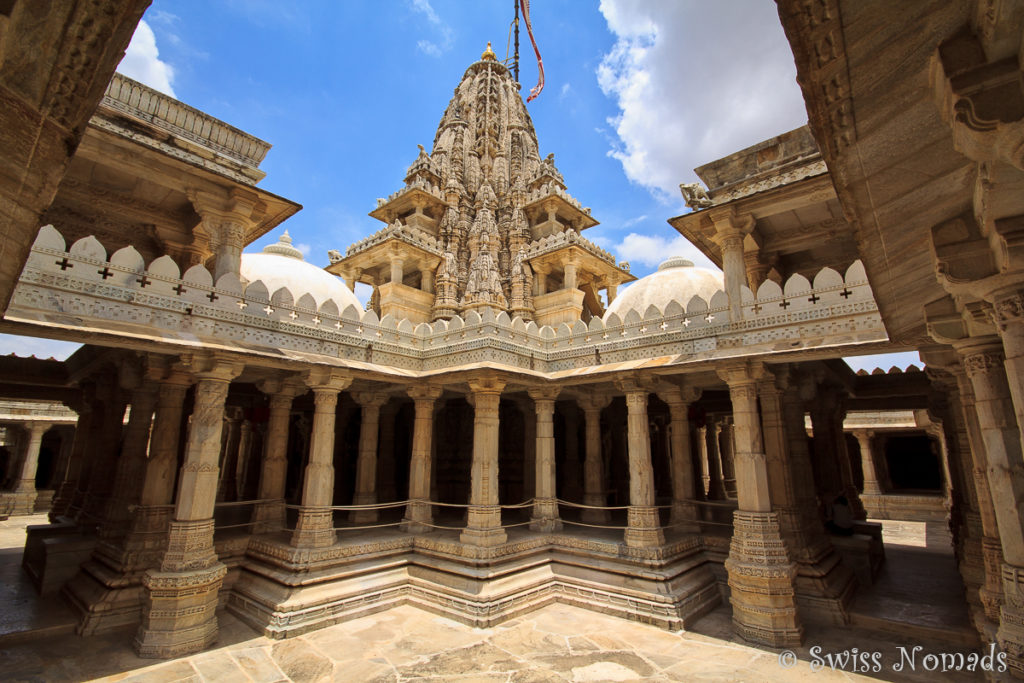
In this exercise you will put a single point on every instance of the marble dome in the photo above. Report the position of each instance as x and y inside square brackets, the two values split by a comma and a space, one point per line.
[676, 279]
[281, 265]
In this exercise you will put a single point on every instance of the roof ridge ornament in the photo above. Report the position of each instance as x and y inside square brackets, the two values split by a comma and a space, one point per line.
[284, 247]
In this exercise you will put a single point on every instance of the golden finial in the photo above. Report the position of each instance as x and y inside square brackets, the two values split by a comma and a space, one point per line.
[488, 55]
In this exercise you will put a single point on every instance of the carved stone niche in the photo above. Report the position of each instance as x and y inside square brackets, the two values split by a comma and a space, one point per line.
[982, 101]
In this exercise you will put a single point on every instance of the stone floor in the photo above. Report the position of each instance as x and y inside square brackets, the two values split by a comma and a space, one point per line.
[556, 643]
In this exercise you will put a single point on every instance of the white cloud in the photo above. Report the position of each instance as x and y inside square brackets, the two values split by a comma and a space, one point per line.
[443, 40]
[694, 82]
[142, 61]
[564, 91]
[304, 248]
[651, 250]
[633, 221]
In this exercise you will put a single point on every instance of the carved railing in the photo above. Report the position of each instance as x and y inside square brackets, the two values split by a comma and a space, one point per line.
[81, 289]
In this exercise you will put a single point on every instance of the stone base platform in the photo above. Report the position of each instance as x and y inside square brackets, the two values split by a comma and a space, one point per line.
[669, 587]
[907, 507]
[53, 554]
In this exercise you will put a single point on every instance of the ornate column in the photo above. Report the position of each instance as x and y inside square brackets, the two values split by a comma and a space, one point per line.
[483, 526]
[991, 592]
[545, 504]
[65, 495]
[105, 446]
[593, 466]
[761, 573]
[867, 462]
[25, 489]
[386, 452]
[179, 614]
[1008, 312]
[644, 527]
[67, 439]
[366, 464]
[727, 455]
[315, 525]
[418, 513]
[131, 466]
[270, 514]
[683, 493]
[225, 221]
[529, 449]
[730, 231]
[229, 446]
[571, 479]
[983, 363]
[716, 482]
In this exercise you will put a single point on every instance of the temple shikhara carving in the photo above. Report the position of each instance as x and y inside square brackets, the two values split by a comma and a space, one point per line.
[514, 419]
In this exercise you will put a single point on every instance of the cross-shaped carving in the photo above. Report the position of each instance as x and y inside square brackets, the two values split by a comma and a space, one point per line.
[663, 326]
[105, 273]
[758, 308]
[212, 296]
[337, 325]
[143, 281]
[316, 320]
[643, 329]
[267, 309]
[241, 305]
[64, 263]
[709, 318]
[845, 293]
[785, 304]
[179, 289]
[293, 315]
[814, 298]
[686, 322]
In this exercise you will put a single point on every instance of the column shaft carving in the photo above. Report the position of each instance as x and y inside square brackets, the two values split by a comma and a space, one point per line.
[366, 463]
[545, 505]
[644, 527]
[593, 466]
[684, 512]
[179, 615]
[419, 513]
[315, 525]
[270, 515]
[83, 428]
[483, 526]
[25, 490]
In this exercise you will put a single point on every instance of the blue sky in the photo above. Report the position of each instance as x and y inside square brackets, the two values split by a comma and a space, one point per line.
[638, 93]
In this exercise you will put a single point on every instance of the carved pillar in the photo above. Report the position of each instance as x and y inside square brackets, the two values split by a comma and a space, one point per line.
[366, 463]
[545, 505]
[727, 455]
[315, 525]
[867, 462]
[229, 446]
[179, 615]
[25, 489]
[1008, 308]
[67, 439]
[983, 363]
[730, 231]
[386, 452]
[529, 449]
[131, 466]
[83, 428]
[418, 512]
[225, 221]
[644, 527]
[483, 526]
[593, 466]
[761, 573]
[270, 514]
[683, 493]
[716, 481]
[571, 477]
[104, 449]
[991, 592]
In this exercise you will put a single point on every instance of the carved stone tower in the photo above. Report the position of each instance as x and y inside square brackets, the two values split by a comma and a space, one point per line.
[483, 221]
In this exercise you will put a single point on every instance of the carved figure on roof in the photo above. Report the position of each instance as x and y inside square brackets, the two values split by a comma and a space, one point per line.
[695, 195]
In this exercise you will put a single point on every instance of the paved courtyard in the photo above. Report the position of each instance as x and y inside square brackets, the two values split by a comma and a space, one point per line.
[556, 643]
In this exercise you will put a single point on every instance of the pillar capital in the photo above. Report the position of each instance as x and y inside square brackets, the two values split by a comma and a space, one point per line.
[424, 392]
[547, 393]
[326, 378]
[633, 385]
[487, 385]
[679, 397]
[730, 225]
[285, 387]
[744, 374]
[370, 399]
[594, 402]
[212, 366]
